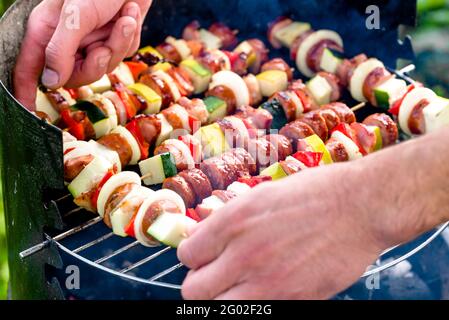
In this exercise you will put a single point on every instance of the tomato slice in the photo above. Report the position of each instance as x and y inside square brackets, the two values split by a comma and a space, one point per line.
[94, 198]
[310, 159]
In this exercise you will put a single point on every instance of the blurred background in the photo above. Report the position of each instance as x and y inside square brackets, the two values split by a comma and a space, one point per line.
[431, 44]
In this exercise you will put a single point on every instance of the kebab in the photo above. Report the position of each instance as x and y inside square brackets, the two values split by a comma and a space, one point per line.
[347, 142]
[263, 151]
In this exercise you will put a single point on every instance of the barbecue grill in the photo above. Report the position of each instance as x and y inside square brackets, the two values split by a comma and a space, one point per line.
[51, 241]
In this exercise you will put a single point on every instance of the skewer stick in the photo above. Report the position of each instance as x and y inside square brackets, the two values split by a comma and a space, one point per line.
[148, 175]
[358, 107]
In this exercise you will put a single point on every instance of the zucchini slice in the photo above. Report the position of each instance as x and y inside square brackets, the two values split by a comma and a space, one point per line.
[89, 177]
[216, 107]
[158, 168]
[331, 60]
[142, 236]
[277, 111]
[389, 92]
[274, 171]
[170, 229]
[199, 75]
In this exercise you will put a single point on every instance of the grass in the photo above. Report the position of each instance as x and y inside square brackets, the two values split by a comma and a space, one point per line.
[4, 4]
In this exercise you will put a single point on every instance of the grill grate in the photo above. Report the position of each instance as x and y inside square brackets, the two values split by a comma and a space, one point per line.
[136, 270]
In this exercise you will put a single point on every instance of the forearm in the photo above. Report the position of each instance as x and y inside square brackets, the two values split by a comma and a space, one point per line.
[403, 191]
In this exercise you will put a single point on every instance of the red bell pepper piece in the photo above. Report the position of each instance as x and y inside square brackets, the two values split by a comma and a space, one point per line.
[94, 198]
[191, 213]
[394, 110]
[305, 100]
[254, 181]
[75, 128]
[194, 124]
[73, 93]
[136, 67]
[129, 230]
[124, 97]
[233, 56]
[310, 159]
[144, 147]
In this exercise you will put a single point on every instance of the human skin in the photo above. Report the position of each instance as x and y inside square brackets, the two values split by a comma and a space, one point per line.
[312, 235]
[63, 54]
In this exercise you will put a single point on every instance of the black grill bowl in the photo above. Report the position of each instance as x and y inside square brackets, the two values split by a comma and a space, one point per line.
[31, 150]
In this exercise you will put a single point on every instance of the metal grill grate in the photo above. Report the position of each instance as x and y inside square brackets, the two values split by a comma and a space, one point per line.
[90, 239]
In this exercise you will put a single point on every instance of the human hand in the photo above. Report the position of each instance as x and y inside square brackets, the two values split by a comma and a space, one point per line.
[74, 42]
[300, 238]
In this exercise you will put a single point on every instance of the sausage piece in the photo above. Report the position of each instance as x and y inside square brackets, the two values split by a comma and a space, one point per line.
[199, 182]
[179, 185]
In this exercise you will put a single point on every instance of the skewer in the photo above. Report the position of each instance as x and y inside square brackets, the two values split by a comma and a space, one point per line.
[148, 175]
[358, 107]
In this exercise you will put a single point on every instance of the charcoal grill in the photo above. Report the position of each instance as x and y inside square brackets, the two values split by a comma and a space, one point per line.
[47, 235]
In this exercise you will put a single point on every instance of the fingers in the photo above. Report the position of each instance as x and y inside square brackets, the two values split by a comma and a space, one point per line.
[31, 59]
[239, 292]
[133, 10]
[211, 280]
[121, 39]
[207, 242]
[92, 68]
[78, 19]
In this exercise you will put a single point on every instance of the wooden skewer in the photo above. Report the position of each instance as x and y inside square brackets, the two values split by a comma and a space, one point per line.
[358, 107]
[148, 175]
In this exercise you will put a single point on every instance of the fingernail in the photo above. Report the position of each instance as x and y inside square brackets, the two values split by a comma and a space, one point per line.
[50, 78]
[133, 12]
[103, 62]
[128, 30]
